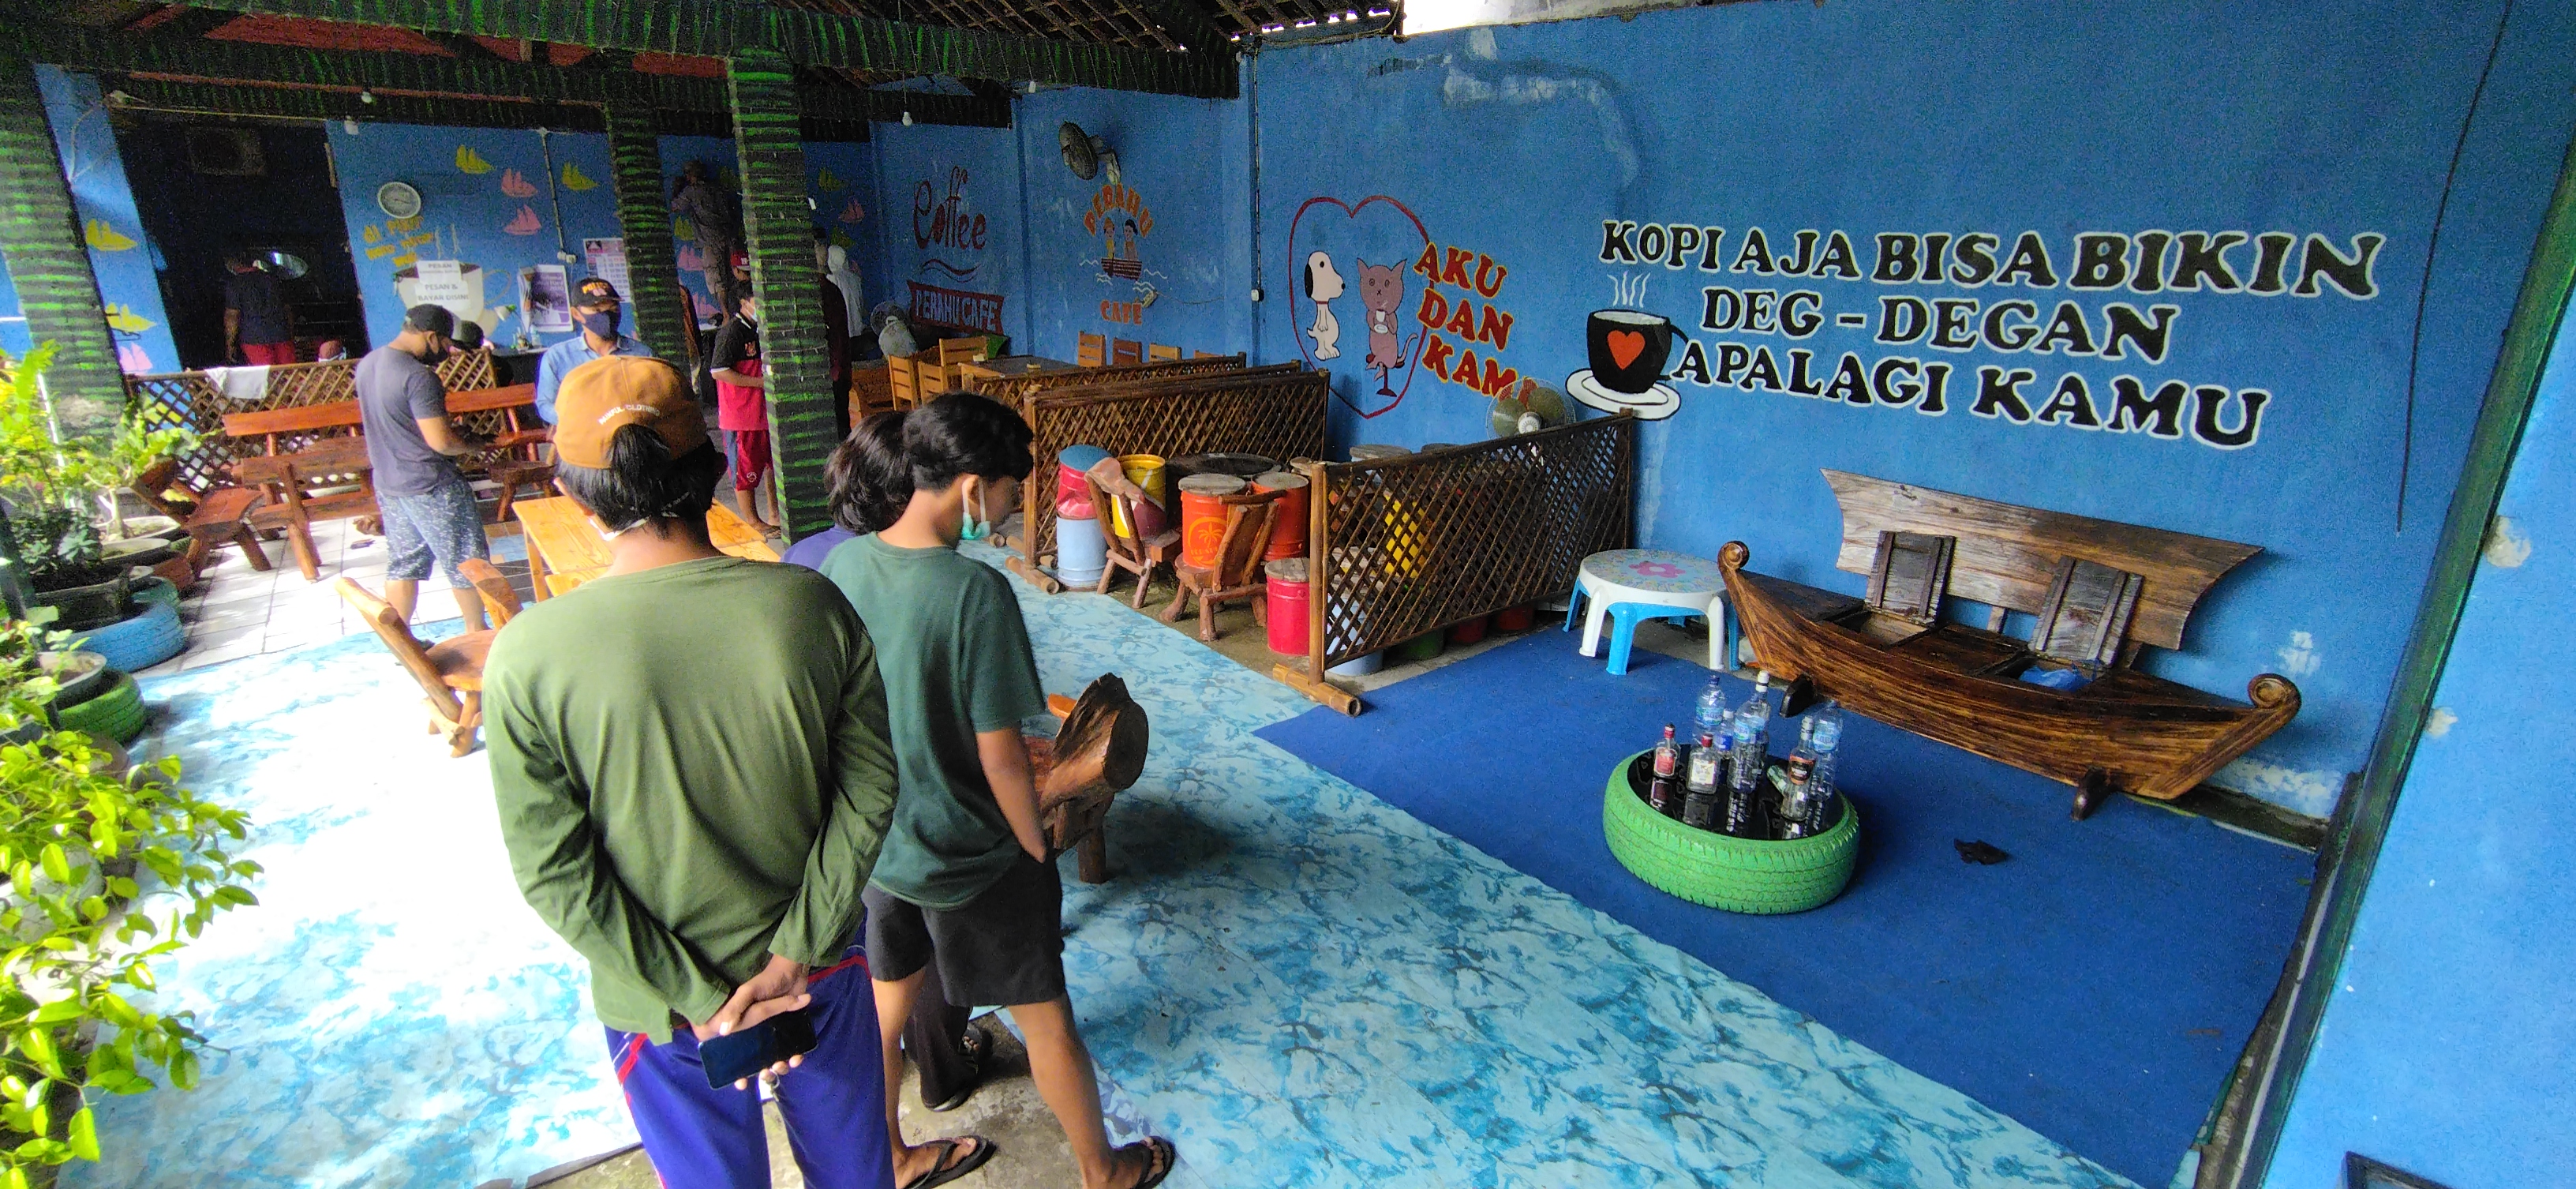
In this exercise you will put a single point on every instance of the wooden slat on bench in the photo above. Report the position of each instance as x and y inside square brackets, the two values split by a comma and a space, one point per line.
[341, 414]
[2007, 553]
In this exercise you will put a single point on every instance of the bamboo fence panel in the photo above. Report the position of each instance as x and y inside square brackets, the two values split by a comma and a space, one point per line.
[1276, 414]
[192, 401]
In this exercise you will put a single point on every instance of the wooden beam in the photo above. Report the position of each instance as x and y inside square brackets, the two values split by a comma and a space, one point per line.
[40, 234]
[309, 103]
[778, 229]
[729, 28]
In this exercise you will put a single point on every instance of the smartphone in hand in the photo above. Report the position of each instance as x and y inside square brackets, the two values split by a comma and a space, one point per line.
[744, 1052]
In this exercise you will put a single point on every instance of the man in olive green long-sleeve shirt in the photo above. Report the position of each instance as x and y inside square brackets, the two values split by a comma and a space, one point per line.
[690, 754]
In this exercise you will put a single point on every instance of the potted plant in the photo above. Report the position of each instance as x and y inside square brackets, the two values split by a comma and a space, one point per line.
[62, 490]
[111, 868]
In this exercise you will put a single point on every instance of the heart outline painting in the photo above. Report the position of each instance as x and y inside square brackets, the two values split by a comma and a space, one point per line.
[1374, 395]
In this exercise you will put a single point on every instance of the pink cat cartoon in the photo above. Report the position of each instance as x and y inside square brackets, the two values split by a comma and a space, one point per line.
[1381, 294]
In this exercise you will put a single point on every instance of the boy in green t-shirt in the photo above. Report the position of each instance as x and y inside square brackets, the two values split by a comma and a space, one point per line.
[965, 879]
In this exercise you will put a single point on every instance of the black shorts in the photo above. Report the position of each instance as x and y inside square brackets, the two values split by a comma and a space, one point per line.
[1004, 948]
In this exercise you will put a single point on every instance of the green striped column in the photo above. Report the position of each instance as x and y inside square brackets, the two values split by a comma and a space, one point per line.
[40, 238]
[779, 231]
[653, 278]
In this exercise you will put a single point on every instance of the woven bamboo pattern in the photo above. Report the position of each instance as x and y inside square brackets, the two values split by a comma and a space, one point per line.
[1016, 391]
[1280, 415]
[656, 303]
[191, 400]
[804, 412]
[41, 236]
[1411, 545]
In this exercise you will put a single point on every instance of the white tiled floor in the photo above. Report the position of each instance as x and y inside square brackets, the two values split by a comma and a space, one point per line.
[237, 611]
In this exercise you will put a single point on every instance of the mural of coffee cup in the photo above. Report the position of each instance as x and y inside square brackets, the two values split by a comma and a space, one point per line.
[1628, 348]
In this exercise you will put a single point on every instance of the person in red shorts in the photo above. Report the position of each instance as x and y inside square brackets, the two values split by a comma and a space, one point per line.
[742, 406]
[259, 327]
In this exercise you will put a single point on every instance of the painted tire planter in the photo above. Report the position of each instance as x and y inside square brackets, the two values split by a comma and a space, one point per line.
[155, 590]
[116, 714]
[1735, 874]
[149, 638]
[78, 675]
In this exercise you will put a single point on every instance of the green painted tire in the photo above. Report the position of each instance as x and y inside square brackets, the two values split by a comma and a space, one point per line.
[117, 714]
[1735, 874]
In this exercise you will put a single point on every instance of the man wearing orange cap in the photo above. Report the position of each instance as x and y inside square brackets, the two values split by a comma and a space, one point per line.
[695, 811]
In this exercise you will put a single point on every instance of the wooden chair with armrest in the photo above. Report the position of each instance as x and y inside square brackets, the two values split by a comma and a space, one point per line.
[1151, 541]
[1098, 751]
[219, 517]
[1249, 518]
[521, 468]
[450, 672]
[1091, 350]
[1126, 351]
[500, 599]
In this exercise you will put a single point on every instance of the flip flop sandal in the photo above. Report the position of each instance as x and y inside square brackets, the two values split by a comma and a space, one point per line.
[984, 1150]
[1160, 1157]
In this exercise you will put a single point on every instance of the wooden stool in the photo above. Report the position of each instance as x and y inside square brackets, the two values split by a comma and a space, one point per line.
[1097, 752]
[1249, 518]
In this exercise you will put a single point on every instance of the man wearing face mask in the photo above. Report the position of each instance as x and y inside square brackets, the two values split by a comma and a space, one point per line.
[428, 507]
[596, 307]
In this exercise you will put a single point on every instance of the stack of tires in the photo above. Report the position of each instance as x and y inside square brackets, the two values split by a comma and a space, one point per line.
[97, 692]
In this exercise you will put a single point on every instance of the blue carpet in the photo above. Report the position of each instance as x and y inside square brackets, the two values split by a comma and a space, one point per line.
[2097, 986]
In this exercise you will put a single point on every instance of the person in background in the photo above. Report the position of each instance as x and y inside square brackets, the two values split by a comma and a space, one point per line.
[870, 484]
[966, 881]
[836, 329]
[717, 220]
[428, 508]
[695, 811]
[258, 326]
[742, 407]
[596, 307]
[330, 351]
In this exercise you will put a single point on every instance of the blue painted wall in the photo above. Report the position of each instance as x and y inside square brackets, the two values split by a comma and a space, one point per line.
[124, 258]
[934, 185]
[1514, 147]
[841, 179]
[1184, 188]
[2445, 1051]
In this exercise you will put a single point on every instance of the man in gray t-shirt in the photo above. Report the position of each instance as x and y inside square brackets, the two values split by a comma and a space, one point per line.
[428, 508]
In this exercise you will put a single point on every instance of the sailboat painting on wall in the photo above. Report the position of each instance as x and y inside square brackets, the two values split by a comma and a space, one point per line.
[526, 224]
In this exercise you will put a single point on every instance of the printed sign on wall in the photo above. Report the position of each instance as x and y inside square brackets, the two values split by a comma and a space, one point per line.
[2095, 297]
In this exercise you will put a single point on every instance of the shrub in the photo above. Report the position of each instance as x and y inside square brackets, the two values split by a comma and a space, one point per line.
[106, 874]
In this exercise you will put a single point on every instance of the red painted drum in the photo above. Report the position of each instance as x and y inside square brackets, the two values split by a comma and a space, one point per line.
[1072, 492]
[1285, 581]
[1515, 619]
[1288, 538]
[1203, 517]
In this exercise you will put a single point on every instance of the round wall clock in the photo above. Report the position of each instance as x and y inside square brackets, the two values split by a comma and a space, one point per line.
[398, 200]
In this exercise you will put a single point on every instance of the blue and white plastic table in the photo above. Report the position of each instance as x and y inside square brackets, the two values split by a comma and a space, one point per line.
[1648, 582]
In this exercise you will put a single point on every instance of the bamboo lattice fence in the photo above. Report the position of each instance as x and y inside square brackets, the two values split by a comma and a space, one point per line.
[1017, 391]
[1411, 545]
[194, 400]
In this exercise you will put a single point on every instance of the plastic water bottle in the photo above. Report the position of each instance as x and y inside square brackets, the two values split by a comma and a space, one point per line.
[1751, 757]
[1712, 708]
[1824, 736]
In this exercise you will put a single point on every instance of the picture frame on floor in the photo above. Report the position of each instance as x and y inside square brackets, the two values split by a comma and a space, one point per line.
[2362, 1172]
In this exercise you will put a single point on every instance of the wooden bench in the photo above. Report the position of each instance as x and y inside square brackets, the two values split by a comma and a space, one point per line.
[2100, 590]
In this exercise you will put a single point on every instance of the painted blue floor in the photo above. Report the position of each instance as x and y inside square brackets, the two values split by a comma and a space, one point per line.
[2097, 986]
[1300, 983]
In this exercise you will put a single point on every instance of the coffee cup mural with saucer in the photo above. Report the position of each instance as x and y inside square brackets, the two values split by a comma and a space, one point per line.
[1627, 350]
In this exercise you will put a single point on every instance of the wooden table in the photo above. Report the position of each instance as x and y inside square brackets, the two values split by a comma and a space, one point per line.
[565, 550]
[1011, 365]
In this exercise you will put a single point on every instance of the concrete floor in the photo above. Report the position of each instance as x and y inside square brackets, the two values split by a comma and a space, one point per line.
[1029, 1149]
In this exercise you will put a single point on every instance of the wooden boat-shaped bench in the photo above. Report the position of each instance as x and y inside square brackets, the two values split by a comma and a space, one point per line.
[2099, 589]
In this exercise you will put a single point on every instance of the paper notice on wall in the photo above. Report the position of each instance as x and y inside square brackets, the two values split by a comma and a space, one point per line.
[442, 282]
[608, 259]
[545, 298]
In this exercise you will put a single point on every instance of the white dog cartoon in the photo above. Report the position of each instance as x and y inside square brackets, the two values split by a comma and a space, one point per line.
[1322, 286]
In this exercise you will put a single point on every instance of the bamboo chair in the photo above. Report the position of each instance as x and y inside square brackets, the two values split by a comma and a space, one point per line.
[450, 672]
[1098, 751]
[1126, 351]
[500, 599]
[1157, 352]
[956, 351]
[1249, 519]
[1091, 350]
[1138, 556]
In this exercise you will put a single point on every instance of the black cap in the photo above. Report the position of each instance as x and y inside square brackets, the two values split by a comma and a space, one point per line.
[595, 291]
[431, 319]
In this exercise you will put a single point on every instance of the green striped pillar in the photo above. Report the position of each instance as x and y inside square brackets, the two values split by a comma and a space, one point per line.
[40, 238]
[652, 270]
[779, 231]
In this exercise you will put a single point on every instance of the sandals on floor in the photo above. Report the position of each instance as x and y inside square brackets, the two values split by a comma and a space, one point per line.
[938, 1176]
[1159, 1159]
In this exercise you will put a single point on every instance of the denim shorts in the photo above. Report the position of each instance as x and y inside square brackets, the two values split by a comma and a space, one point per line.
[443, 523]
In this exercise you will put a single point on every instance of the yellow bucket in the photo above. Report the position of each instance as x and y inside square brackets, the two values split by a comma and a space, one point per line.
[1145, 471]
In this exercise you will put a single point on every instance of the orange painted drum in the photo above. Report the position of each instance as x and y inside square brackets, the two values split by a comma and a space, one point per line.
[1203, 517]
[1284, 583]
[1288, 538]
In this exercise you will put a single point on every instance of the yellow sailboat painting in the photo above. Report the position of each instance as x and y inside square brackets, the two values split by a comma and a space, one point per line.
[575, 180]
[105, 238]
[828, 183]
[122, 318]
[469, 161]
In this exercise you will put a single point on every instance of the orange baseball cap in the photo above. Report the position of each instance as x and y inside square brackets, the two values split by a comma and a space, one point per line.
[613, 391]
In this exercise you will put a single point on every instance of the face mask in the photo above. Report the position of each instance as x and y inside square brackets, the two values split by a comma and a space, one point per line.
[975, 528]
[599, 322]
